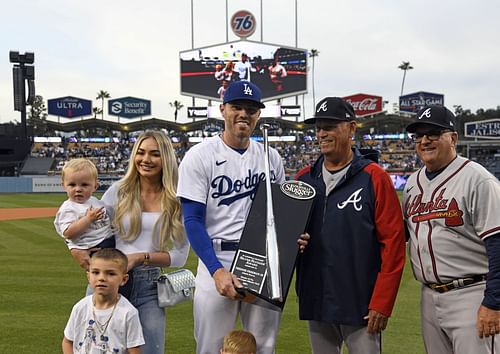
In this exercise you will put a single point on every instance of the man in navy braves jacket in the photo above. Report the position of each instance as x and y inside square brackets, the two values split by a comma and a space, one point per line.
[349, 275]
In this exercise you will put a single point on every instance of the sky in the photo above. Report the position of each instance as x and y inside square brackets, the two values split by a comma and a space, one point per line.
[131, 48]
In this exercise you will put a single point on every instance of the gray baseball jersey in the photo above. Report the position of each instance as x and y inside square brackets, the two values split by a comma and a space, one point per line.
[448, 218]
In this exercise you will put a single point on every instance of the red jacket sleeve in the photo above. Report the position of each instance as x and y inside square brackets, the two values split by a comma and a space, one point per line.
[391, 236]
[302, 172]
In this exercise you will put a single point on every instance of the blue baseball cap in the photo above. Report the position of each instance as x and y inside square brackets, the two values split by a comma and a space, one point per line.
[243, 91]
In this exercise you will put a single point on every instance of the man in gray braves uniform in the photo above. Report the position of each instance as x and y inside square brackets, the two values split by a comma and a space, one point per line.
[451, 212]
[217, 183]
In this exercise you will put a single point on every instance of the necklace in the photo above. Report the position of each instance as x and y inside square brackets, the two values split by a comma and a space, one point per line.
[102, 327]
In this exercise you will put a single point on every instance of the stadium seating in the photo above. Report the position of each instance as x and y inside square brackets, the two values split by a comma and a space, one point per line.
[396, 156]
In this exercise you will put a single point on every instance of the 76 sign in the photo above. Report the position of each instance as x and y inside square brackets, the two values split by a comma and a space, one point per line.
[243, 23]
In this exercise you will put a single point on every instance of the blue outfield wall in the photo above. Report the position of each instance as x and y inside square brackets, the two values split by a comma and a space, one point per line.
[37, 184]
[16, 184]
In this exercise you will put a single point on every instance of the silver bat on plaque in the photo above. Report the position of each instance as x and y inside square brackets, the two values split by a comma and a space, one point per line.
[272, 252]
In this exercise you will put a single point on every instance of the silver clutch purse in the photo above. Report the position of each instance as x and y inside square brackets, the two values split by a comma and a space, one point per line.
[175, 287]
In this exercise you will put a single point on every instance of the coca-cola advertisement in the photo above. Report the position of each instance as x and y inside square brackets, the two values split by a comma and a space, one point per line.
[365, 105]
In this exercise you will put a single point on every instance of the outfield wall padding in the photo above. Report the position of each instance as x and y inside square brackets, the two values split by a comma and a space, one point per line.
[37, 184]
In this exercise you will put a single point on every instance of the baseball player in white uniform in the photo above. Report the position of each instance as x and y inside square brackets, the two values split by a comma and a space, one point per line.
[217, 183]
[451, 211]
[243, 68]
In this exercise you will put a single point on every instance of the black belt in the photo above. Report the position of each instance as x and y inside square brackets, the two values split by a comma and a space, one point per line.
[229, 245]
[457, 283]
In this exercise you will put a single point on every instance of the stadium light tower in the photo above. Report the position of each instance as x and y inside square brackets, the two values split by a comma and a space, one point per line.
[23, 72]
[405, 66]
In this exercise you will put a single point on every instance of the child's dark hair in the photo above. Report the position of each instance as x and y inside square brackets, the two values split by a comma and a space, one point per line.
[112, 254]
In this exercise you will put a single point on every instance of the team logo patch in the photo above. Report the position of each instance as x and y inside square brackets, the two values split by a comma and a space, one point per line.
[452, 216]
[248, 90]
[439, 208]
[298, 190]
[426, 114]
[353, 199]
[323, 107]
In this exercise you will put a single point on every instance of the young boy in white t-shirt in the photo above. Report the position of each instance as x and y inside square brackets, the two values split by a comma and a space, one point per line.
[82, 219]
[104, 322]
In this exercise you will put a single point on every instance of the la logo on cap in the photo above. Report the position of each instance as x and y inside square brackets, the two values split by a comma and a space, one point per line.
[426, 113]
[247, 90]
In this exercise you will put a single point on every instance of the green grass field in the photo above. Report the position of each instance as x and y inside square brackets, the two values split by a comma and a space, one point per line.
[40, 283]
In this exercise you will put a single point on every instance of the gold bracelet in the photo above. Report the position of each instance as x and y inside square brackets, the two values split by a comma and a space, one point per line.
[147, 259]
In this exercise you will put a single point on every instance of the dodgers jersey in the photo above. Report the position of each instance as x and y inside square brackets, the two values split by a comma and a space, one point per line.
[448, 218]
[225, 181]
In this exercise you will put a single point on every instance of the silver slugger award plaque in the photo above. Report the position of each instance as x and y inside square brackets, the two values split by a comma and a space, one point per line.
[268, 248]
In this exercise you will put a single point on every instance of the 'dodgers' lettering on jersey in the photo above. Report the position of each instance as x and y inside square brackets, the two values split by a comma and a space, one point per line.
[237, 189]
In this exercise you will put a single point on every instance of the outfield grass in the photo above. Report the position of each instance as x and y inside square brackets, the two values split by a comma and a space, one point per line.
[40, 283]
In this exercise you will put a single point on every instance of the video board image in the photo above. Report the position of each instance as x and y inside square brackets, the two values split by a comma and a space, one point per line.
[278, 71]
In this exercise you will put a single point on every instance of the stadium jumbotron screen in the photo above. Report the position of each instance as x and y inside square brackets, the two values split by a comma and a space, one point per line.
[278, 71]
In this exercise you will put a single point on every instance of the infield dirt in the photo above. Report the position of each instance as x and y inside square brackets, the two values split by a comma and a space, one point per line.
[26, 213]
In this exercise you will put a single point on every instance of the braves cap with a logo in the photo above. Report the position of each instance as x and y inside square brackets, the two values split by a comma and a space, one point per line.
[439, 116]
[332, 108]
[243, 91]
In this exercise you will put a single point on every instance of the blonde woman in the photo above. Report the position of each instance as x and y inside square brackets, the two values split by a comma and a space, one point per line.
[147, 218]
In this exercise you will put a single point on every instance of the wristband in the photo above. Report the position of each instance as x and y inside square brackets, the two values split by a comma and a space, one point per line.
[147, 259]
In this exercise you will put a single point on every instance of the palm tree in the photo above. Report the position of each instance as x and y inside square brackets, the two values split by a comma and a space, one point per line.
[37, 116]
[96, 111]
[177, 106]
[405, 66]
[38, 109]
[101, 95]
[313, 53]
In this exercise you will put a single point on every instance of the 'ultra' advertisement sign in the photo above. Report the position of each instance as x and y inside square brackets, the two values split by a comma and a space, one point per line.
[69, 107]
